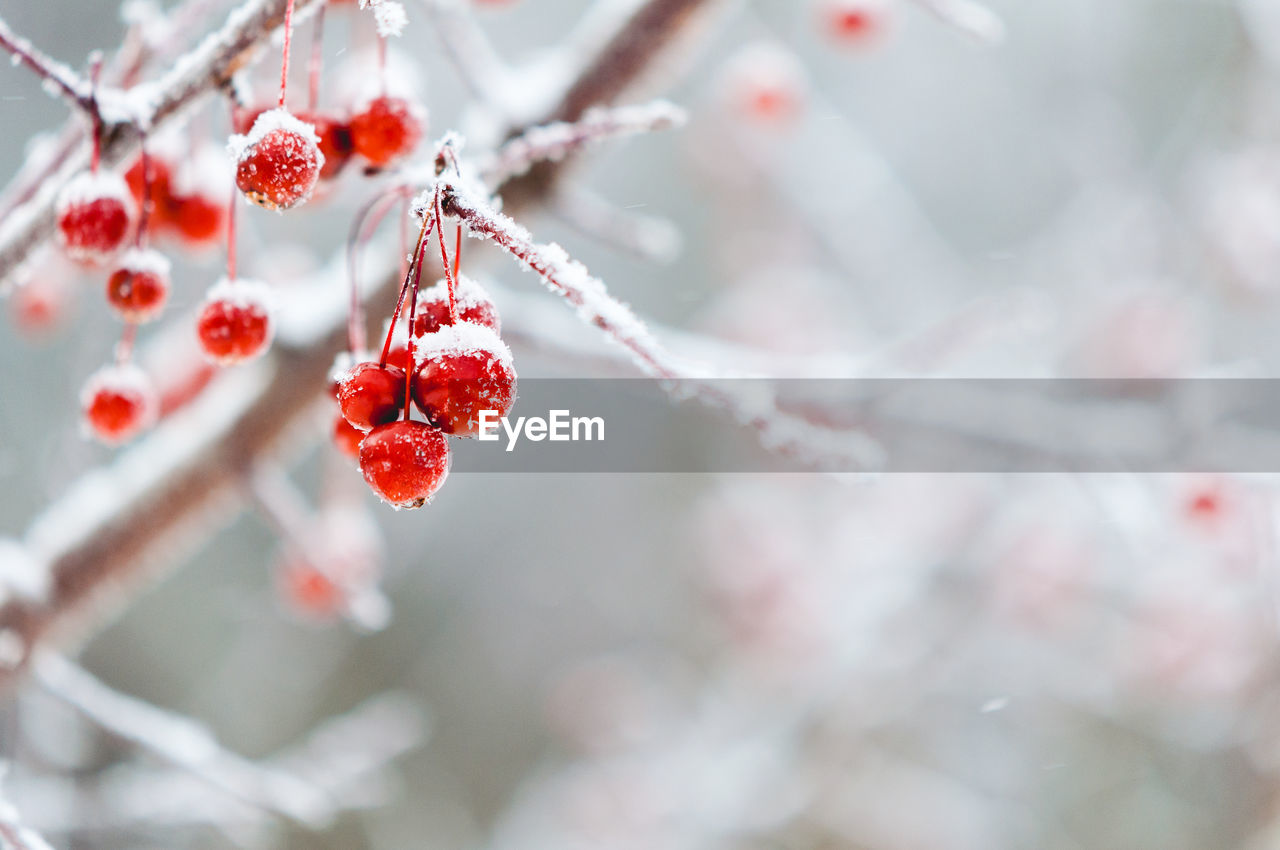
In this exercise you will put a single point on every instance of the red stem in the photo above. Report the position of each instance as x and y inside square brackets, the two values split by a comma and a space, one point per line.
[366, 221]
[144, 216]
[382, 63]
[95, 72]
[448, 269]
[317, 62]
[423, 236]
[231, 232]
[284, 62]
[457, 249]
[124, 351]
[413, 315]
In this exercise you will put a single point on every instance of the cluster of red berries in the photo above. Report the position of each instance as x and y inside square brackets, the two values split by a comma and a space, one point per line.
[460, 367]
[186, 198]
[280, 158]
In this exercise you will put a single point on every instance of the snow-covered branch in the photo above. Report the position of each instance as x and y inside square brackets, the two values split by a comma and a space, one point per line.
[971, 18]
[777, 430]
[14, 835]
[59, 80]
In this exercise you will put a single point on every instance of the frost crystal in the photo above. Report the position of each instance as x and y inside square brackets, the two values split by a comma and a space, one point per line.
[242, 292]
[464, 338]
[267, 123]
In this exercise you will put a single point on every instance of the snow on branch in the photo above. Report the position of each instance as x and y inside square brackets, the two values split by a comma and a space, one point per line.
[190, 745]
[778, 431]
[59, 80]
[554, 142]
[969, 17]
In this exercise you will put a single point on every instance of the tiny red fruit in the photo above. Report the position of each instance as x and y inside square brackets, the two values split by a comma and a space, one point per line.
[279, 161]
[235, 324]
[474, 305]
[346, 437]
[466, 368]
[387, 129]
[95, 216]
[139, 287]
[405, 462]
[371, 395]
[335, 142]
[117, 402]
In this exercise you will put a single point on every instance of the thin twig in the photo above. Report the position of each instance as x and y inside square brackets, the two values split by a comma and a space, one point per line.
[60, 79]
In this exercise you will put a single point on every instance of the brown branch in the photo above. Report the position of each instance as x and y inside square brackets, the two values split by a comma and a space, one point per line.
[183, 481]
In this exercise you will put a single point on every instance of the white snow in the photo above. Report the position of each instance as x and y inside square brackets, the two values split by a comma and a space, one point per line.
[145, 261]
[239, 146]
[243, 292]
[87, 186]
[20, 573]
[390, 18]
[463, 338]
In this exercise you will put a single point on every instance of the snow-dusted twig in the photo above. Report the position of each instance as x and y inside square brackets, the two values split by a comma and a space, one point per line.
[777, 430]
[14, 835]
[206, 69]
[185, 743]
[58, 79]
[553, 142]
[971, 18]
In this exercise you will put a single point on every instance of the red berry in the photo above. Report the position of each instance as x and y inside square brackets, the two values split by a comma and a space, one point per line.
[474, 305]
[197, 205]
[279, 161]
[465, 369]
[765, 84]
[854, 21]
[38, 305]
[235, 323]
[139, 287]
[309, 592]
[335, 142]
[372, 395]
[398, 356]
[346, 437]
[405, 462]
[117, 402]
[161, 199]
[95, 216]
[388, 129]
[199, 220]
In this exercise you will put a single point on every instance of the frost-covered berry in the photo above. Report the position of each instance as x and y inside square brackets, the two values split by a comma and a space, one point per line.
[139, 287]
[464, 369]
[474, 305]
[161, 199]
[117, 402]
[235, 323]
[95, 216]
[346, 437]
[279, 161]
[387, 129]
[765, 84]
[197, 206]
[854, 22]
[372, 395]
[405, 462]
[335, 141]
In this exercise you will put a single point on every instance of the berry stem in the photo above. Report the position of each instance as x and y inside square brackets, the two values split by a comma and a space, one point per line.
[449, 270]
[284, 62]
[23, 51]
[457, 249]
[231, 232]
[411, 360]
[124, 349]
[382, 64]
[95, 115]
[317, 62]
[423, 236]
[144, 215]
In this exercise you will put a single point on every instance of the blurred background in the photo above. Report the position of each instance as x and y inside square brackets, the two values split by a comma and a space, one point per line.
[790, 660]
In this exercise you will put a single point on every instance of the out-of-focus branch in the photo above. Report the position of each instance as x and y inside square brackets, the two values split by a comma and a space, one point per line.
[969, 17]
[553, 142]
[650, 238]
[58, 78]
[184, 743]
[206, 69]
[478, 64]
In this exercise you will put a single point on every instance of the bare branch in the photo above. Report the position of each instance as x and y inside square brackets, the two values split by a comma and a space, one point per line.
[649, 238]
[184, 743]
